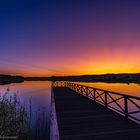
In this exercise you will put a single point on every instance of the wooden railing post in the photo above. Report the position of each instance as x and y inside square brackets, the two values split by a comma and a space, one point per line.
[106, 104]
[94, 95]
[72, 86]
[126, 106]
[86, 91]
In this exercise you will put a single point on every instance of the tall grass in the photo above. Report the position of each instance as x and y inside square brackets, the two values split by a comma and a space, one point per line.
[13, 117]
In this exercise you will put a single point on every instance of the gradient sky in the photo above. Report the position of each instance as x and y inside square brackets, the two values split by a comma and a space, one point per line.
[69, 37]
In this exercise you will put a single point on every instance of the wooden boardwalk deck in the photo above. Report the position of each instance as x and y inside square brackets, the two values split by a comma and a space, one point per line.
[79, 118]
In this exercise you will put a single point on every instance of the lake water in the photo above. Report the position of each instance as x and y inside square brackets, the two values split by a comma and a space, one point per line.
[39, 92]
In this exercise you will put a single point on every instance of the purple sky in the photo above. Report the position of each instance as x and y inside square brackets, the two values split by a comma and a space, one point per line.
[67, 37]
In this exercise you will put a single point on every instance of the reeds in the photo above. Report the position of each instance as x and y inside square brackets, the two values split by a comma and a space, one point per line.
[13, 117]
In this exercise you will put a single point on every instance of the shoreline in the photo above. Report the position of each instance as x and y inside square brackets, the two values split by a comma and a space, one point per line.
[107, 78]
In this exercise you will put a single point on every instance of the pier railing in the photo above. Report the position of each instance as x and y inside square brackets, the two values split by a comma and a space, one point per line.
[126, 105]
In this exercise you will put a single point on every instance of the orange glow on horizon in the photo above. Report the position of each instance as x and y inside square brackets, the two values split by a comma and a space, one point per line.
[99, 62]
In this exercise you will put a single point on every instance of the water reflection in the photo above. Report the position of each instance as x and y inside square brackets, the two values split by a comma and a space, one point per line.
[36, 97]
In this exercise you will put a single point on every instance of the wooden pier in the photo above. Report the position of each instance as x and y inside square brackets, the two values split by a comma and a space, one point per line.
[83, 118]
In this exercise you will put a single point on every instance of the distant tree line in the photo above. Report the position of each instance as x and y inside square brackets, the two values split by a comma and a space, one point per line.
[6, 79]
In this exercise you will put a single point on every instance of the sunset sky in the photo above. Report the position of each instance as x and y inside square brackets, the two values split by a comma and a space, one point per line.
[69, 37]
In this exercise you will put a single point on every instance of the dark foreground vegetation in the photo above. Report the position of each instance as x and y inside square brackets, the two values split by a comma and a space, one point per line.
[109, 78]
[13, 118]
[7, 79]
